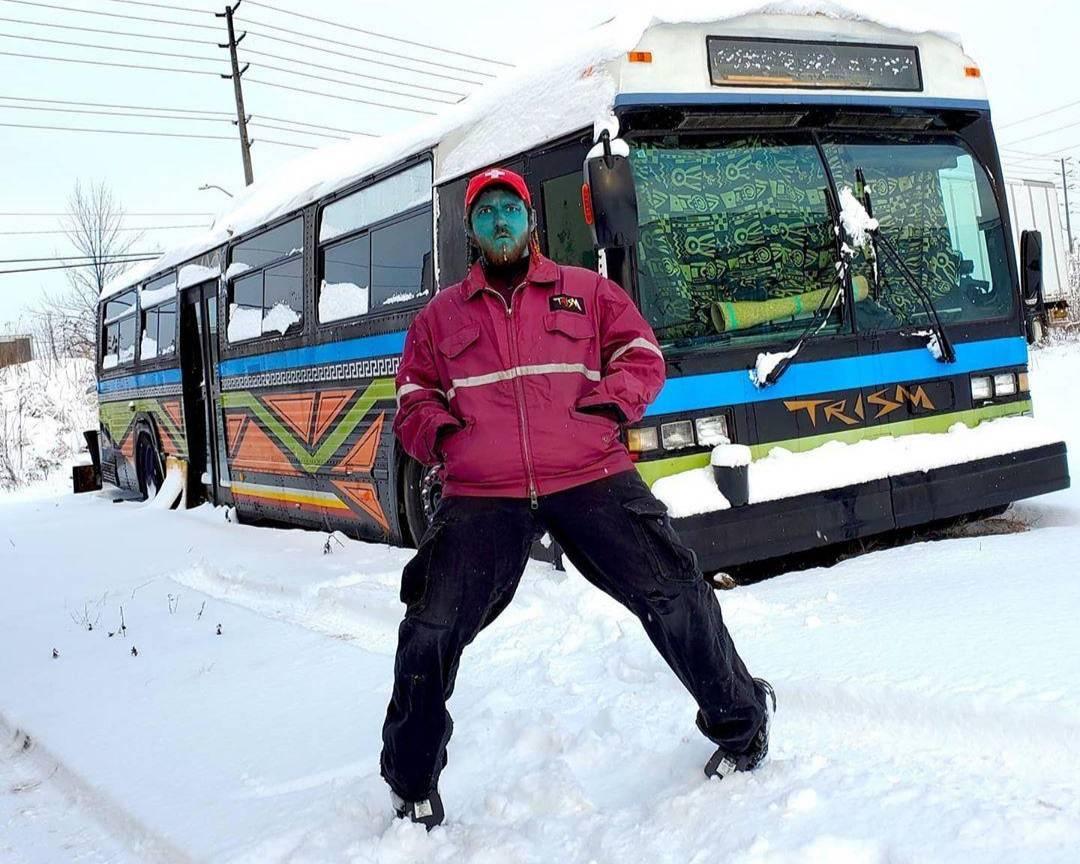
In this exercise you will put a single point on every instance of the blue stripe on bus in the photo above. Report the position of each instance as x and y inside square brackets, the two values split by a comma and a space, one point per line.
[695, 392]
[316, 355]
[728, 97]
[137, 382]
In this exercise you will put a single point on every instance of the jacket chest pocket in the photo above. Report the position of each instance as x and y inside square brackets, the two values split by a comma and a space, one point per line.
[570, 335]
[455, 350]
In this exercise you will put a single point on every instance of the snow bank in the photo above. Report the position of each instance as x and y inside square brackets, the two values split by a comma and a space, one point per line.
[45, 406]
[783, 474]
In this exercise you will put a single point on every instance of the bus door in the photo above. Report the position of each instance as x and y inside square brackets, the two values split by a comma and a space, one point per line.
[208, 469]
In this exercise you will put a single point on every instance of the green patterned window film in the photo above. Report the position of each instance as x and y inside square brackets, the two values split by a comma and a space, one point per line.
[934, 202]
[737, 242]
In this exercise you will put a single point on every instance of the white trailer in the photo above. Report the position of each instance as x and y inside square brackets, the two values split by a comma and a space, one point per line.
[1034, 206]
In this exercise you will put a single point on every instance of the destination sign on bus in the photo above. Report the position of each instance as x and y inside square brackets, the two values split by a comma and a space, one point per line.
[752, 62]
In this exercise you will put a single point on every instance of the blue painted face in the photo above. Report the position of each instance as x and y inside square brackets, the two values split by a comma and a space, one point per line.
[499, 224]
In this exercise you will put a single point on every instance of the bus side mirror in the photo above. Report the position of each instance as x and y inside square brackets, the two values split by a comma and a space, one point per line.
[1031, 283]
[610, 199]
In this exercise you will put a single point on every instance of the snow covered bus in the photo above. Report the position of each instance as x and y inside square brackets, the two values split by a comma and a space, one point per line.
[728, 164]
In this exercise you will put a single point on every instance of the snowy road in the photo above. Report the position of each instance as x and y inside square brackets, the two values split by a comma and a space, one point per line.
[929, 701]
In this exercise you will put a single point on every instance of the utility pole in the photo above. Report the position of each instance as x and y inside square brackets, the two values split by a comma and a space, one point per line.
[1068, 221]
[241, 117]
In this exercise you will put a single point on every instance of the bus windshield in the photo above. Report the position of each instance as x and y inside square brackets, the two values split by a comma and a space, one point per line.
[934, 202]
[738, 243]
[736, 238]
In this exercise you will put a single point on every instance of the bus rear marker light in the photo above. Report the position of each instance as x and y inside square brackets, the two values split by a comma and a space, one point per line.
[639, 56]
[972, 72]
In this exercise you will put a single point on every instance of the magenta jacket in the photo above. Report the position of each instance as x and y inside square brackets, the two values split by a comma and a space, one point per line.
[497, 393]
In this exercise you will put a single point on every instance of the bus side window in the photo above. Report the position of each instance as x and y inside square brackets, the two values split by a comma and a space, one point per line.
[569, 240]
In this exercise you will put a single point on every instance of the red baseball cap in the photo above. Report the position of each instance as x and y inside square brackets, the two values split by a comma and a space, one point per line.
[496, 177]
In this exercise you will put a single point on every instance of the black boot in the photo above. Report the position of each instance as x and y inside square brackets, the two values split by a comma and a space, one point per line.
[428, 812]
[723, 762]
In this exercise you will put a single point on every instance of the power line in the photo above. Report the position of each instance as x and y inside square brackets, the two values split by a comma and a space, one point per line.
[171, 7]
[146, 228]
[173, 54]
[155, 134]
[1040, 114]
[325, 50]
[374, 33]
[334, 96]
[227, 114]
[361, 48]
[109, 47]
[1047, 132]
[262, 125]
[354, 74]
[105, 32]
[124, 215]
[314, 125]
[104, 63]
[115, 257]
[167, 117]
[142, 114]
[75, 266]
[313, 76]
[110, 14]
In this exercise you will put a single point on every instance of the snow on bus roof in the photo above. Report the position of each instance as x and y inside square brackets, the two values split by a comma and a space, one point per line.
[556, 93]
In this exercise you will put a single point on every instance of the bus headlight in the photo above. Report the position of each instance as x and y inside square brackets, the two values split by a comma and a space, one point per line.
[640, 440]
[981, 388]
[677, 435]
[712, 431]
[1004, 384]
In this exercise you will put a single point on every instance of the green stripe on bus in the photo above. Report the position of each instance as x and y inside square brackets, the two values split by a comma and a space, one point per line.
[653, 470]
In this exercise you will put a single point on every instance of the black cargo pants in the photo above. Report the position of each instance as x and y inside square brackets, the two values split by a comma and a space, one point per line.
[465, 573]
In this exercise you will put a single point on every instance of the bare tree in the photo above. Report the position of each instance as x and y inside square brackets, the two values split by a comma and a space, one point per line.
[93, 226]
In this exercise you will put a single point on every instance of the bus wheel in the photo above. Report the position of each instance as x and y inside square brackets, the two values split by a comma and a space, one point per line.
[422, 491]
[148, 465]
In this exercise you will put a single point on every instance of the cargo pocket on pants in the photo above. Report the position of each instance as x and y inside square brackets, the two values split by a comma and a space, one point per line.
[415, 576]
[671, 560]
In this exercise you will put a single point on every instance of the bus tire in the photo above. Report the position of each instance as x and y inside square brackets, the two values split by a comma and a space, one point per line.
[148, 464]
[422, 489]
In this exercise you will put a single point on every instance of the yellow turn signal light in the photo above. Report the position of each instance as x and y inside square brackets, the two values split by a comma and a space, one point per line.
[972, 72]
[639, 56]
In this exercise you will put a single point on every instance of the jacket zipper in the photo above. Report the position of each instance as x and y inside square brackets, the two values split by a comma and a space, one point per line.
[519, 395]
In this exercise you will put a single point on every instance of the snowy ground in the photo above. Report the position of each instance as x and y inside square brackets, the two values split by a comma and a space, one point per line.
[929, 701]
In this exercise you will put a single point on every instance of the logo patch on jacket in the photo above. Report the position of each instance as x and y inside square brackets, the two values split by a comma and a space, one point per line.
[566, 303]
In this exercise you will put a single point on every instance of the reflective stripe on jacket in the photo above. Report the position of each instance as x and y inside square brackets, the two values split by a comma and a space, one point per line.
[497, 393]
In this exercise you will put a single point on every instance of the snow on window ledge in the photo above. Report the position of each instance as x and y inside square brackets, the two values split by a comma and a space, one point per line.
[249, 323]
[341, 300]
[834, 465]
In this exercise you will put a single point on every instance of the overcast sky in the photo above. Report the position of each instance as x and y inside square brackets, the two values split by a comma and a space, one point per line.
[1026, 58]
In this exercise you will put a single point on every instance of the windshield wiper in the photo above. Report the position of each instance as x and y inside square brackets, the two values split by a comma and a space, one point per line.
[945, 352]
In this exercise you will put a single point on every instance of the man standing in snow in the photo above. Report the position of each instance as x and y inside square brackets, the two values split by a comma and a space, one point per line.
[518, 379]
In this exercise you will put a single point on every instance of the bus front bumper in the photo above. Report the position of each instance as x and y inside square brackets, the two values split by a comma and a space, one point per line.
[771, 529]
